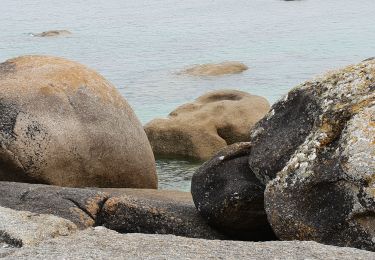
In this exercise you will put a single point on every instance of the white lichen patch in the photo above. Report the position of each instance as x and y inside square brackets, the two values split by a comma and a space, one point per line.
[348, 91]
[359, 145]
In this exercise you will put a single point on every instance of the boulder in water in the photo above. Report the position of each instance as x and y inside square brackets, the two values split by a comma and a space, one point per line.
[64, 124]
[199, 129]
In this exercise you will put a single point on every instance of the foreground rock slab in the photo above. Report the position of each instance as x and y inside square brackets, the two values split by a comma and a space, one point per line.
[101, 243]
[22, 228]
[62, 123]
[199, 129]
[124, 210]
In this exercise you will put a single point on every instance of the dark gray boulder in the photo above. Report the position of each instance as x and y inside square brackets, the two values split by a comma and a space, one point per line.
[230, 197]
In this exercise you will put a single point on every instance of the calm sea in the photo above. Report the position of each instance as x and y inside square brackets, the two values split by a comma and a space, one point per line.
[140, 45]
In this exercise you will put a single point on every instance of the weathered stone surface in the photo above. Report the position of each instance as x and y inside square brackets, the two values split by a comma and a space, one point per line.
[80, 206]
[125, 210]
[22, 228]
[53, 33]
[325, 188]
[101, 243]
[155, 212]
[218, 69]
[64, 124]
[230, 197]
[199, 129]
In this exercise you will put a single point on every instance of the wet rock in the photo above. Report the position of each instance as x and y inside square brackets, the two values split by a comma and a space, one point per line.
[22, 228]
[324, 188]
[199, 129]
[53, 33]
[230, 197]
[124, 210]
[63, 124]
[218, 69]
[101, 243]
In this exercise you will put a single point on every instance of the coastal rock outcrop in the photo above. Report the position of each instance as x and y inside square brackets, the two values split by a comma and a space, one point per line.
[229, 196]
[315, 154]
[199, 129]
[64, 124]
[53, 33]
[124, 210]
[215, 69]
[101, 243]
[326, 189]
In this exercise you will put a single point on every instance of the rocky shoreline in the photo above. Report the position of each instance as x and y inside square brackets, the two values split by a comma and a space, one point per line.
[77, 172]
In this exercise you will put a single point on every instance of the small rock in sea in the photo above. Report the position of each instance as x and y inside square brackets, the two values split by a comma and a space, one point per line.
[53, 33]
[199, 129]
[218, 69]
[64, 124]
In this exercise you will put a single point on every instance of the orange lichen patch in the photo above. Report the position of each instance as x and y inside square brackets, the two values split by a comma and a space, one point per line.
[360, 105]
[85, 220]
[111, 204]
[93, 204]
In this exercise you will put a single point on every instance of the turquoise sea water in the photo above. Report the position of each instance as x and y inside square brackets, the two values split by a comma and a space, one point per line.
[140, 45]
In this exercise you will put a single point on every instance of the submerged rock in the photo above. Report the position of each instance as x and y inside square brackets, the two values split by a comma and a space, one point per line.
[199, 129]
[64, 124]
[230, 197]
[101, 243]
[53, 33]
[123, 210]
[324, 188]
[211, 69]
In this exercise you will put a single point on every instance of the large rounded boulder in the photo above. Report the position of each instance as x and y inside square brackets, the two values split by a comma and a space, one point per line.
[64, 124]
[200, 129]
[323, 185]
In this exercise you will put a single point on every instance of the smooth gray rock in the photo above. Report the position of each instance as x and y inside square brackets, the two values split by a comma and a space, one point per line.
[101, 243]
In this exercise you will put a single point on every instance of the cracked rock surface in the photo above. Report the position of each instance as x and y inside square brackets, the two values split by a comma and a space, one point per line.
[124, 210]
[101, 243]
